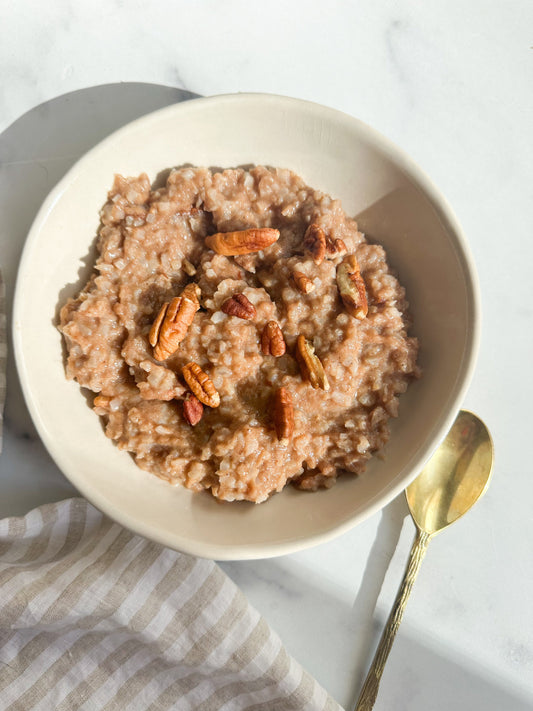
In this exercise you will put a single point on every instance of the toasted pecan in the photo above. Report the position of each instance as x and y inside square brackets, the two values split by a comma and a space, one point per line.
[315, 242]
[272, 341]
[231, 244]
[283, 415]
[352, 287]
[173, 321]
[192, 409]
[201, 385]
[302, 281]
[239, 305]
[335, 246]
[310, 364]
[101, 401]
[188, 267]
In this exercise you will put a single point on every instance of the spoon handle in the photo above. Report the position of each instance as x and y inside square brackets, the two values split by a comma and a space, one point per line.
[369, 692]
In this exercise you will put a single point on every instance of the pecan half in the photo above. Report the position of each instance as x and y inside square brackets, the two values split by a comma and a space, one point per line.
[310, 365]
[239, 305]
[352, 287]
[231, 244]
[173, 321]
[272, 341]
[192, 409]
[283, 415]
[315, 242]
[302, 281]
[201, 385]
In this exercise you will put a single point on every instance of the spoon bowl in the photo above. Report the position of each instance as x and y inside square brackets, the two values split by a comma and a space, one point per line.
[454, 478]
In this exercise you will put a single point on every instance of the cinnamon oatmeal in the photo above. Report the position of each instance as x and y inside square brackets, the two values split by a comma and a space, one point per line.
[239, 332]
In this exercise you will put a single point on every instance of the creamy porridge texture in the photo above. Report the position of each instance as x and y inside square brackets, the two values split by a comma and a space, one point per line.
[239, 332]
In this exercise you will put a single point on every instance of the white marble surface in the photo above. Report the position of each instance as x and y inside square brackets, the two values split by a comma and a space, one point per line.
[448, 80]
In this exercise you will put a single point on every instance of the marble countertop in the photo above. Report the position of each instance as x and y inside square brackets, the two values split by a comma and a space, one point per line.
[448, 81]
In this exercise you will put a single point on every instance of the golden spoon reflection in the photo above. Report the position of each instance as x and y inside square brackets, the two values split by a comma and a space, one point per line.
[449, 485]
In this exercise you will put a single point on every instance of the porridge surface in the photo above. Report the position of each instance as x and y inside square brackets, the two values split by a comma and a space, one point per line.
[151, 246]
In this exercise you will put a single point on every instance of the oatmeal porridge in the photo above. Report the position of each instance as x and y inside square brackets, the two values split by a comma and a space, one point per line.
[239, 332]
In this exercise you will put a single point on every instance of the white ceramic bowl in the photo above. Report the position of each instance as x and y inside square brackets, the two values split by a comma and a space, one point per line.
[394, 202]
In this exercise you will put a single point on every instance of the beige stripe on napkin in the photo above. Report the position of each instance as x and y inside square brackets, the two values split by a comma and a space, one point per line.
[93, 617]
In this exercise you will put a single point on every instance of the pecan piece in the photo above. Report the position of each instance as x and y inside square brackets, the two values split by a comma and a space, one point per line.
[173, 321]
[188, 267]
[190, 212]
[201, 385]
[315, 242]
[310, 365]
[232, 244]
[272, 341]
[352, 287]
[335, 246]
[192, 409]
[283, 415]
[192, 292]
[239, 305]
[302, 281]
[101, 401]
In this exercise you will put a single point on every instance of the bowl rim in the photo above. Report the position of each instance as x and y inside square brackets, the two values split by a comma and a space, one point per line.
[250, 551]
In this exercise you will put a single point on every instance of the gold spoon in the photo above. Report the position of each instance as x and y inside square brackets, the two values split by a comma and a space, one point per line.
[449, 485]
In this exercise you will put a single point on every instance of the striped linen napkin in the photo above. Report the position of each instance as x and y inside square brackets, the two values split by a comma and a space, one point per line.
[95, 618]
